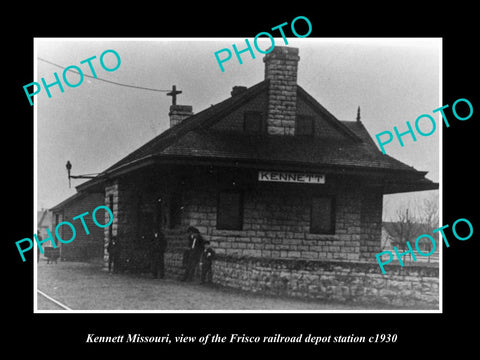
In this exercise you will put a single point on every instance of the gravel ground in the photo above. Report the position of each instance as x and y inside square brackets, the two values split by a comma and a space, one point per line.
[83, 286]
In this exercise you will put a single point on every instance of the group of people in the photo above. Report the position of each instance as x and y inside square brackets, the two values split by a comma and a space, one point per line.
[198, 252]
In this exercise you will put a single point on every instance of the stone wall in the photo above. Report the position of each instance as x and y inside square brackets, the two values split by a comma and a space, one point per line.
[112, 201]
[370, 223]
[124, 199]
[336, 281]
[354, 282]
[279, 226]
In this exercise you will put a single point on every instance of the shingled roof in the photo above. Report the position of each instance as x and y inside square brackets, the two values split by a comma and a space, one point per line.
[320, 151]
[195, 139]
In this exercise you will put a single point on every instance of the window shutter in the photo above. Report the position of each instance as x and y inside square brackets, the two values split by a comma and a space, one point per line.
[229, 210]
[304, 125]
[253, 122]
[322, 216]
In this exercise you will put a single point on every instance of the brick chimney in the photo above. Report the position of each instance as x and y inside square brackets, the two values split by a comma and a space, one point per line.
[281, 69]
[178, 113]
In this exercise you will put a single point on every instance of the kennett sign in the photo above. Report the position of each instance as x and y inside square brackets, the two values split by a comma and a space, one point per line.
[291, 177]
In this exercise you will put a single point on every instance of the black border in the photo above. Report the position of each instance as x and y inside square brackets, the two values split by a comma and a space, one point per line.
[419, 333]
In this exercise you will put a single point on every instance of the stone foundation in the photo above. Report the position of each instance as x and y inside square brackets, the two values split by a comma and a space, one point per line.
[414, 286]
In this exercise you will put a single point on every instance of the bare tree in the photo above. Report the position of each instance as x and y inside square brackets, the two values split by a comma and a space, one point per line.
[429, 219]
[429, 215]
[411, 221]
[405, 227]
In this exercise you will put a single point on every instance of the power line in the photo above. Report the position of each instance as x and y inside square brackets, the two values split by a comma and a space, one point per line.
[108, 81]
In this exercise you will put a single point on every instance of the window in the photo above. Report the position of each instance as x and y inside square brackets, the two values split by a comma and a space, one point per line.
[230, 210]
[322, 220]
[304, 125]
[253, 122]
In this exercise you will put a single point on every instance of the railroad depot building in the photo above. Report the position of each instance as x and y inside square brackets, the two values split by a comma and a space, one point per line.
[289, 196]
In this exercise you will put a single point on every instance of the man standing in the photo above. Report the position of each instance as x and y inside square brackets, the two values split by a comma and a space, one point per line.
[207, 261]
[159, 245]
[112, 254]
[194, 254]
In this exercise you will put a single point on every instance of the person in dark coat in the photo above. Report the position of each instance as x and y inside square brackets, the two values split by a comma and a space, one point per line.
[195, 250]
[112, 249]
[159, 245]
[186, 254]
[208, 256]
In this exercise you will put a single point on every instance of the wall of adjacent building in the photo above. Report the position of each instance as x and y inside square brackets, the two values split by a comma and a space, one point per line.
[84, 247]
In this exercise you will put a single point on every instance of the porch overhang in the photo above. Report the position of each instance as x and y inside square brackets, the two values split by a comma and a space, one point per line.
[390, 180]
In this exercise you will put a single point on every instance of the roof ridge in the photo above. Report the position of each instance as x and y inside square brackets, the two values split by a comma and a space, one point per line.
[363, 128]
[61, 204]
[44, 212]
[332, 119]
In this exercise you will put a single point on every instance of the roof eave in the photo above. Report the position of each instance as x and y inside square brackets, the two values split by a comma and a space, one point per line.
[121, 170]
[407, 177]
[396, 188]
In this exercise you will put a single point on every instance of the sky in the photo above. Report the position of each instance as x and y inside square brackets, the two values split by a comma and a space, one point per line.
[94, 125]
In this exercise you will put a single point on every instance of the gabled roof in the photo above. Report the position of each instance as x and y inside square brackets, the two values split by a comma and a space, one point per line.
[43, 218]
[73, 200]
[195, 140]
[319, 151]
[61, 205]
[201, 119]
